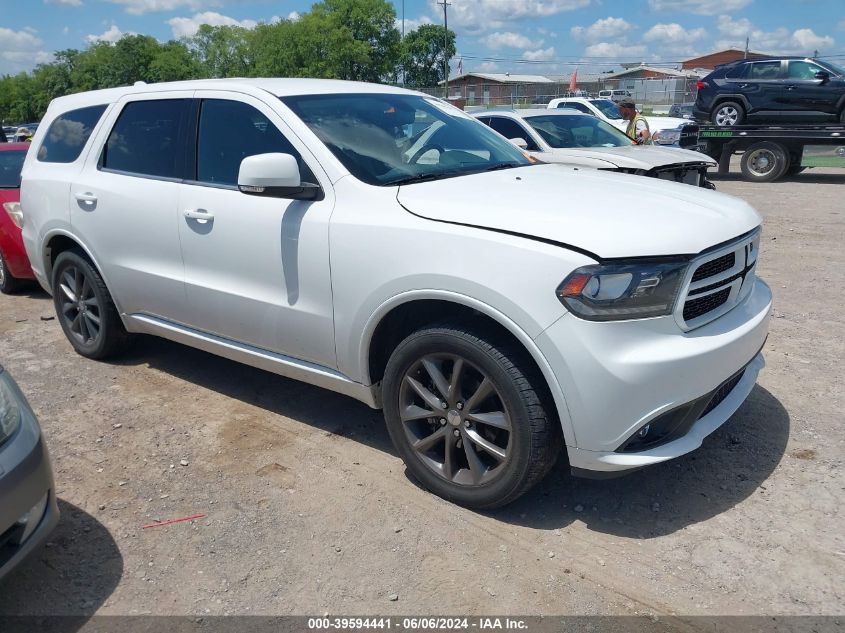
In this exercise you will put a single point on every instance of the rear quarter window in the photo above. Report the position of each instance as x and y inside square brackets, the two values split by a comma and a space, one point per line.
[68, 134]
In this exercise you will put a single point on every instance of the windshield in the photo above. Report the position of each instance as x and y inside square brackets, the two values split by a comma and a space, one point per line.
[390, 139]
[577, 130]
[838, 70]
[11, 163]
[607, 108]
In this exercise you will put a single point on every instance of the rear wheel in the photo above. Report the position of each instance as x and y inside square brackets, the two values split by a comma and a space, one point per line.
[85, 308]
[465, 413]
[728, 114]
[8, 283]
[764, 162]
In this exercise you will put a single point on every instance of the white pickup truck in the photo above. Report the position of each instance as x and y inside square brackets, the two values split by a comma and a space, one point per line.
[665, 130]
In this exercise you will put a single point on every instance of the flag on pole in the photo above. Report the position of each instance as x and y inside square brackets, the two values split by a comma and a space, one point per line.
[460, 66]
[573, 81]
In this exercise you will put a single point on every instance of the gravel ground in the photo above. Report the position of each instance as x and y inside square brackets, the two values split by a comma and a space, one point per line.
[309, 510]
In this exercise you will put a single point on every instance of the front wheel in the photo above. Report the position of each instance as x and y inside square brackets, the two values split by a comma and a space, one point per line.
[466, 413]
[85, 308]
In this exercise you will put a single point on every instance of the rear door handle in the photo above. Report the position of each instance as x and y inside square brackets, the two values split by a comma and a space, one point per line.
[201, 215]
[86, 196]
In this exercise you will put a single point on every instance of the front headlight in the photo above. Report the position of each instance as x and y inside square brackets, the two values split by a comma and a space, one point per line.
[666, 137]
[612, 292]
[10, 413]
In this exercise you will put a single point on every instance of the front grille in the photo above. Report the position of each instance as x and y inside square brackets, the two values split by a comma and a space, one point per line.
[689, 135]
[714, 267]
[718, 281]
[695, 308]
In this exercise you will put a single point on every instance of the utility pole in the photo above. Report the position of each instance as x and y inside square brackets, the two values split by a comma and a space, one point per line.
[746, 48]
[445, 3]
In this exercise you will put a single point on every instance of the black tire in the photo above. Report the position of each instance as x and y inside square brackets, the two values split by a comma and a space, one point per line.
[727, 114]
[8, 283]
[764, 162]
[533, 436]
[73, 268]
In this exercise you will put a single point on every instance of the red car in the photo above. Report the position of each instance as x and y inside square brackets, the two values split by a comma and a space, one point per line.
[14, 264]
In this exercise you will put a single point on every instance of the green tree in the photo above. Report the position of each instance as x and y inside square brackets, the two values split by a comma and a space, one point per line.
[222, 51]
[173, 62]
[425, 52]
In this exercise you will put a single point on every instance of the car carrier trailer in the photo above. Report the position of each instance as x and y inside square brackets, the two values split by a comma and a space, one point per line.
[770, 152]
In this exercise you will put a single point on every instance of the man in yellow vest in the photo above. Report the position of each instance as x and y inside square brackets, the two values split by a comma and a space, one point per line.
[637, 125]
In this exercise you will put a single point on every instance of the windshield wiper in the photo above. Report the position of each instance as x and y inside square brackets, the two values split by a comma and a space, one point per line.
[405, 180]
[503, 166]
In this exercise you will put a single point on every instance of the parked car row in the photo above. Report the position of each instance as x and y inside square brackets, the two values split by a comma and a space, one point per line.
[383, 244]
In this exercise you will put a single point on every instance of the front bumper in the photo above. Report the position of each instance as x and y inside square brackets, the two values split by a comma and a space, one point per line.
[619, 376]
[27, 491]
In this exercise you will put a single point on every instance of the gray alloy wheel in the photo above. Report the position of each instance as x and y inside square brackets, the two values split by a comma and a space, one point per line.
[85, 308]
[455, 419]
[728, 114]
[80, 308]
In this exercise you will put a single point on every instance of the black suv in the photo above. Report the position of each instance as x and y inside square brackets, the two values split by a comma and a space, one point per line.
[783, 89]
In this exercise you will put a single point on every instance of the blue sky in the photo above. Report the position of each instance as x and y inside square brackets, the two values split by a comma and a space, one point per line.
[526, 36]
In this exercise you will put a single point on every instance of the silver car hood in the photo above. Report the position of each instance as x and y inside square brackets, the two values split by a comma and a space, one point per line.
[643, 157]
[606, 214]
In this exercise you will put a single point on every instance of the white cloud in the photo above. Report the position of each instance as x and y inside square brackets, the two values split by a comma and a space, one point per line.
[780, 41]
[412, 24]
[66, 30]
[68, 3]
[510, 40]
[187, 27]
[478, 16]
[615, 50]
[293, 16]
[699, 7]
[20, 51]
[487, 67]
[139, 7]
[673, 34]
[599, 30]
[111, 35]
[540, 55]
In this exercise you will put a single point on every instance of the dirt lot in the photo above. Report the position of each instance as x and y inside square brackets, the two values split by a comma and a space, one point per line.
[310, 511]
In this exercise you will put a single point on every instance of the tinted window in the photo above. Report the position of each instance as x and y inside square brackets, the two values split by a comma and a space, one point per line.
[765, 70]
[229, 131]
[803, 70]
[577, 130]
[68, 134]
[578, 106]
[737, 72]
[511, 129]
[10, 169]
[145, 138]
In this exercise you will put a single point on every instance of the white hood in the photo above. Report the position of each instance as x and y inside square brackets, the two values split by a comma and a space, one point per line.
[609, 215]
[643, 157]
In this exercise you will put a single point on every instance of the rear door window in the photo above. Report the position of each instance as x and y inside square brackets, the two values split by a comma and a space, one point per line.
[762, 71]
[147, 139]
[68, 134]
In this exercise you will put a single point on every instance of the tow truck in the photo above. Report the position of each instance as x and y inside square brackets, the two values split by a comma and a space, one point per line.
[770, 152]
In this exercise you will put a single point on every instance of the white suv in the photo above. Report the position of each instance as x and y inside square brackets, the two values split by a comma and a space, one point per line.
[494, 308]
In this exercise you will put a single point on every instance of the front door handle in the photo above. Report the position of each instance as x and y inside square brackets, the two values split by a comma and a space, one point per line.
[200, 215]
[86, 196]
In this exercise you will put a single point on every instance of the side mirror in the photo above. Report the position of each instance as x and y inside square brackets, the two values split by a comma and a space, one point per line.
[823, 76]
[275, 175]
[520, 142]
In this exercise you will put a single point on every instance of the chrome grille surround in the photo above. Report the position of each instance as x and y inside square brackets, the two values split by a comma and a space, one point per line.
[738, 280]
